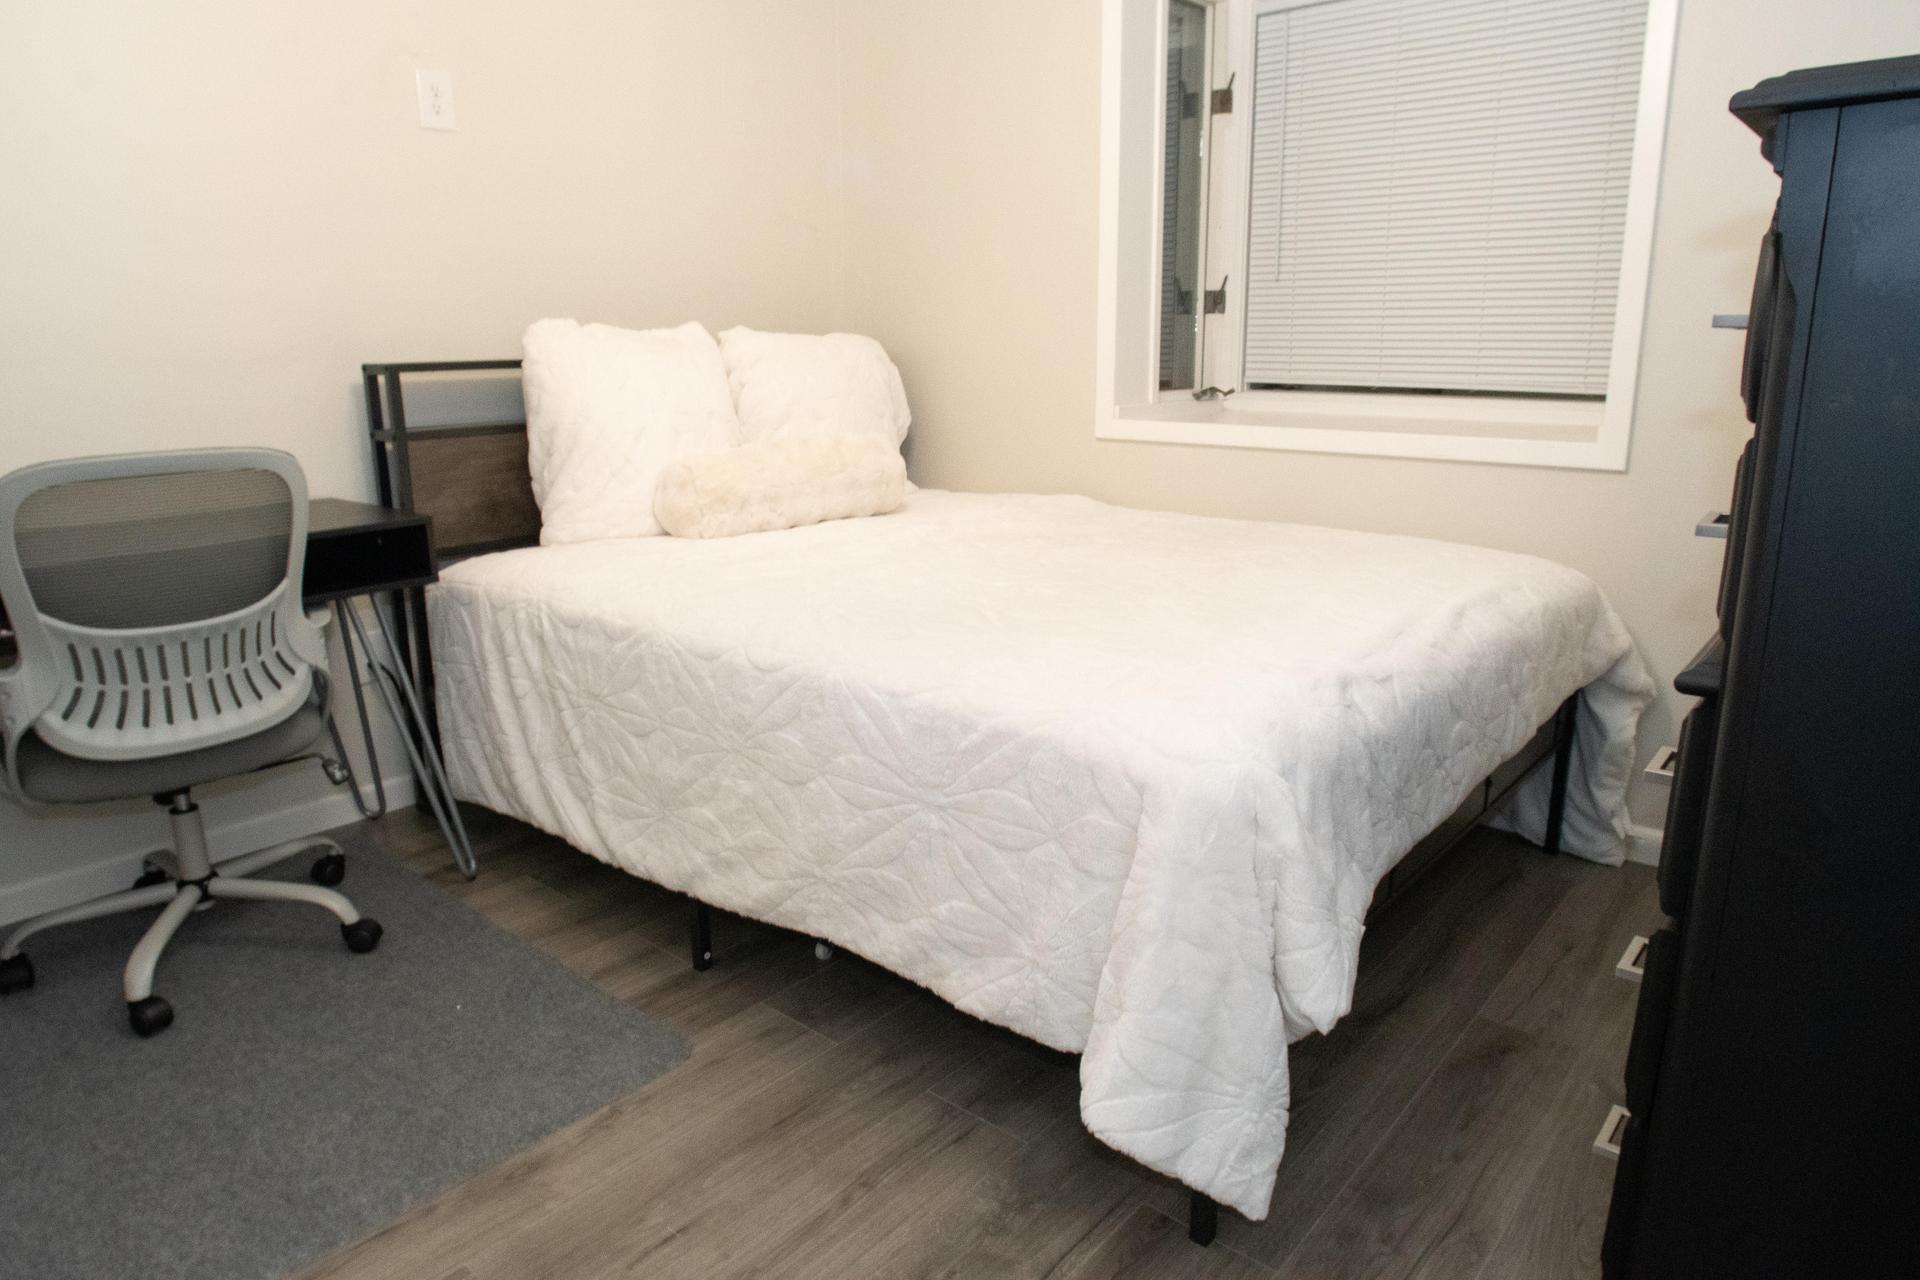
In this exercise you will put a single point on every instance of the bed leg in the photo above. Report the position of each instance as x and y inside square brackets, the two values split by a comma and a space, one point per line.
[1203, 1219]
[702, 936]
[1564, 721]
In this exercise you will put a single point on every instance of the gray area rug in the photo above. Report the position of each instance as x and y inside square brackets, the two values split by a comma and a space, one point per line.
[304, 1097]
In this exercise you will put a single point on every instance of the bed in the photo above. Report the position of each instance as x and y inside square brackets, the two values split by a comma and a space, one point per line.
[1123, 782]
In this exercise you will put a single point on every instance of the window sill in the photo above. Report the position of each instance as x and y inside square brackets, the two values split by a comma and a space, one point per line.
[1512, 432]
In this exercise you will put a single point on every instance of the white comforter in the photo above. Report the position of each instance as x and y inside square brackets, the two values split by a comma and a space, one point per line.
[1121, 781]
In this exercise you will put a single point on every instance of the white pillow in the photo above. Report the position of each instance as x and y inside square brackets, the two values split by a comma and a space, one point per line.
[606, 409]
[779, 484]
[787, 385]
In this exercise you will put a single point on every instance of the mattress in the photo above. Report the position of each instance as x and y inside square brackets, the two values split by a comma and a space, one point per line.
[1121, 781]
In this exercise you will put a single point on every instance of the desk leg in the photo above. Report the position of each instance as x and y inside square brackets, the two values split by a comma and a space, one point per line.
[402, 700]
[408, 644]
[378, 805]
[412, 603]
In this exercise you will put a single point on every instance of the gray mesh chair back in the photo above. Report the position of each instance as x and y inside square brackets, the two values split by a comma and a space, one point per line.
[156, 601]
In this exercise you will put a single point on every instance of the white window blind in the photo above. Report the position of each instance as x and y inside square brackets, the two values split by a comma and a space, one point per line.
[1439, 193]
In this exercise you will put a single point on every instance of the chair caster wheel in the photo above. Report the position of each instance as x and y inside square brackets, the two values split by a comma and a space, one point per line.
[150, 1016]
[150, 875]
[16, 974]
[362, 935]
[328, 869]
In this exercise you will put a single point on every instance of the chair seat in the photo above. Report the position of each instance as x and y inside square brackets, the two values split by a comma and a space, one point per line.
[53, 777]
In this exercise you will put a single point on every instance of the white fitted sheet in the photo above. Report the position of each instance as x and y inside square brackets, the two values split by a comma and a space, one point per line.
[1120, 781]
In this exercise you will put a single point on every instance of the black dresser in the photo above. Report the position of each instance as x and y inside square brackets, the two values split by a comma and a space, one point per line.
[1774, 1075]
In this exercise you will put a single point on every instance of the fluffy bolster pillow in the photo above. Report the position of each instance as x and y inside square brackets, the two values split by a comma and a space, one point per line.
[779, 484]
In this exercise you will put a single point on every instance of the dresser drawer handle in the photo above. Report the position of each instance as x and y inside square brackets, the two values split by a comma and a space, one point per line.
[1633, 961]
[1665, 761]
[1607, 1142]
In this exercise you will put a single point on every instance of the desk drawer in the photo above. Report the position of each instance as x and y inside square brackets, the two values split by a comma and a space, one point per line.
[377, 558]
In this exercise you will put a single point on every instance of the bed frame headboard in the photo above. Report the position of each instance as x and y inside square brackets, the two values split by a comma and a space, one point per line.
[471, 478]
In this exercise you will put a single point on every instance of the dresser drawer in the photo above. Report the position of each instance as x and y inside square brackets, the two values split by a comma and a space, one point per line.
[1650, 1020]
[1687, 809]
[1623, 1210]
[1738, 518]
[1643, 1071]
[1760, 316]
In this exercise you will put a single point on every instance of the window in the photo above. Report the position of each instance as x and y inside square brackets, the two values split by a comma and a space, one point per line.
[1182, 202]
[1413, 227]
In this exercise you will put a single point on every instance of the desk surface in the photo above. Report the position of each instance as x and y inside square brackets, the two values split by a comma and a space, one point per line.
[331, 517]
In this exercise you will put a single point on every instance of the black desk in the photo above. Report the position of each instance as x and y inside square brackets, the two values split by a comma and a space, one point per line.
[359, 549]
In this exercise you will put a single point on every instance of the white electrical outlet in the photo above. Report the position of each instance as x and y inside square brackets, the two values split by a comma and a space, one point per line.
[436, 98]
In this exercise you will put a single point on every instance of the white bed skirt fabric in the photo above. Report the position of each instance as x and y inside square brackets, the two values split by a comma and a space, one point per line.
[1120, 781]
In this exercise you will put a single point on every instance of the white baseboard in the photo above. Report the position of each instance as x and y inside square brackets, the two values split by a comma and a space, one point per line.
[107, 874]
[1643, 845]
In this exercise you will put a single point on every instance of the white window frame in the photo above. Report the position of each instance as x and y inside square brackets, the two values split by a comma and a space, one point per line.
[1515, 430]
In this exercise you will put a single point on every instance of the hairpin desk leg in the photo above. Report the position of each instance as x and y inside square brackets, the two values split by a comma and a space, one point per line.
[402, 701]
[378, 806]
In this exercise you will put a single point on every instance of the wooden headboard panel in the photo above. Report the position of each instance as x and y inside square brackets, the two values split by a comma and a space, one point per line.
[470, 477]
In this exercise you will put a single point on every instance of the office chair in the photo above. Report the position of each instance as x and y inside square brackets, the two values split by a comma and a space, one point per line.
[161, 643]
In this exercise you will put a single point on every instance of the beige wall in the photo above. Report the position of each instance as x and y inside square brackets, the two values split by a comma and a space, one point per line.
[973, 137]
[212, 212]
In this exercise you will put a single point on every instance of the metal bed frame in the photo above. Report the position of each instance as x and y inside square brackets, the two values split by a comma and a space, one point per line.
[393, 475]
[402, 487]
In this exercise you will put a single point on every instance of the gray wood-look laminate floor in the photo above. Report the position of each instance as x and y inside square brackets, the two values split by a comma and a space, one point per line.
[836, 1121]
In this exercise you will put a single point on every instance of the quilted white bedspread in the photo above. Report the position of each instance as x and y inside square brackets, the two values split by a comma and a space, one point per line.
[1121, 781]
